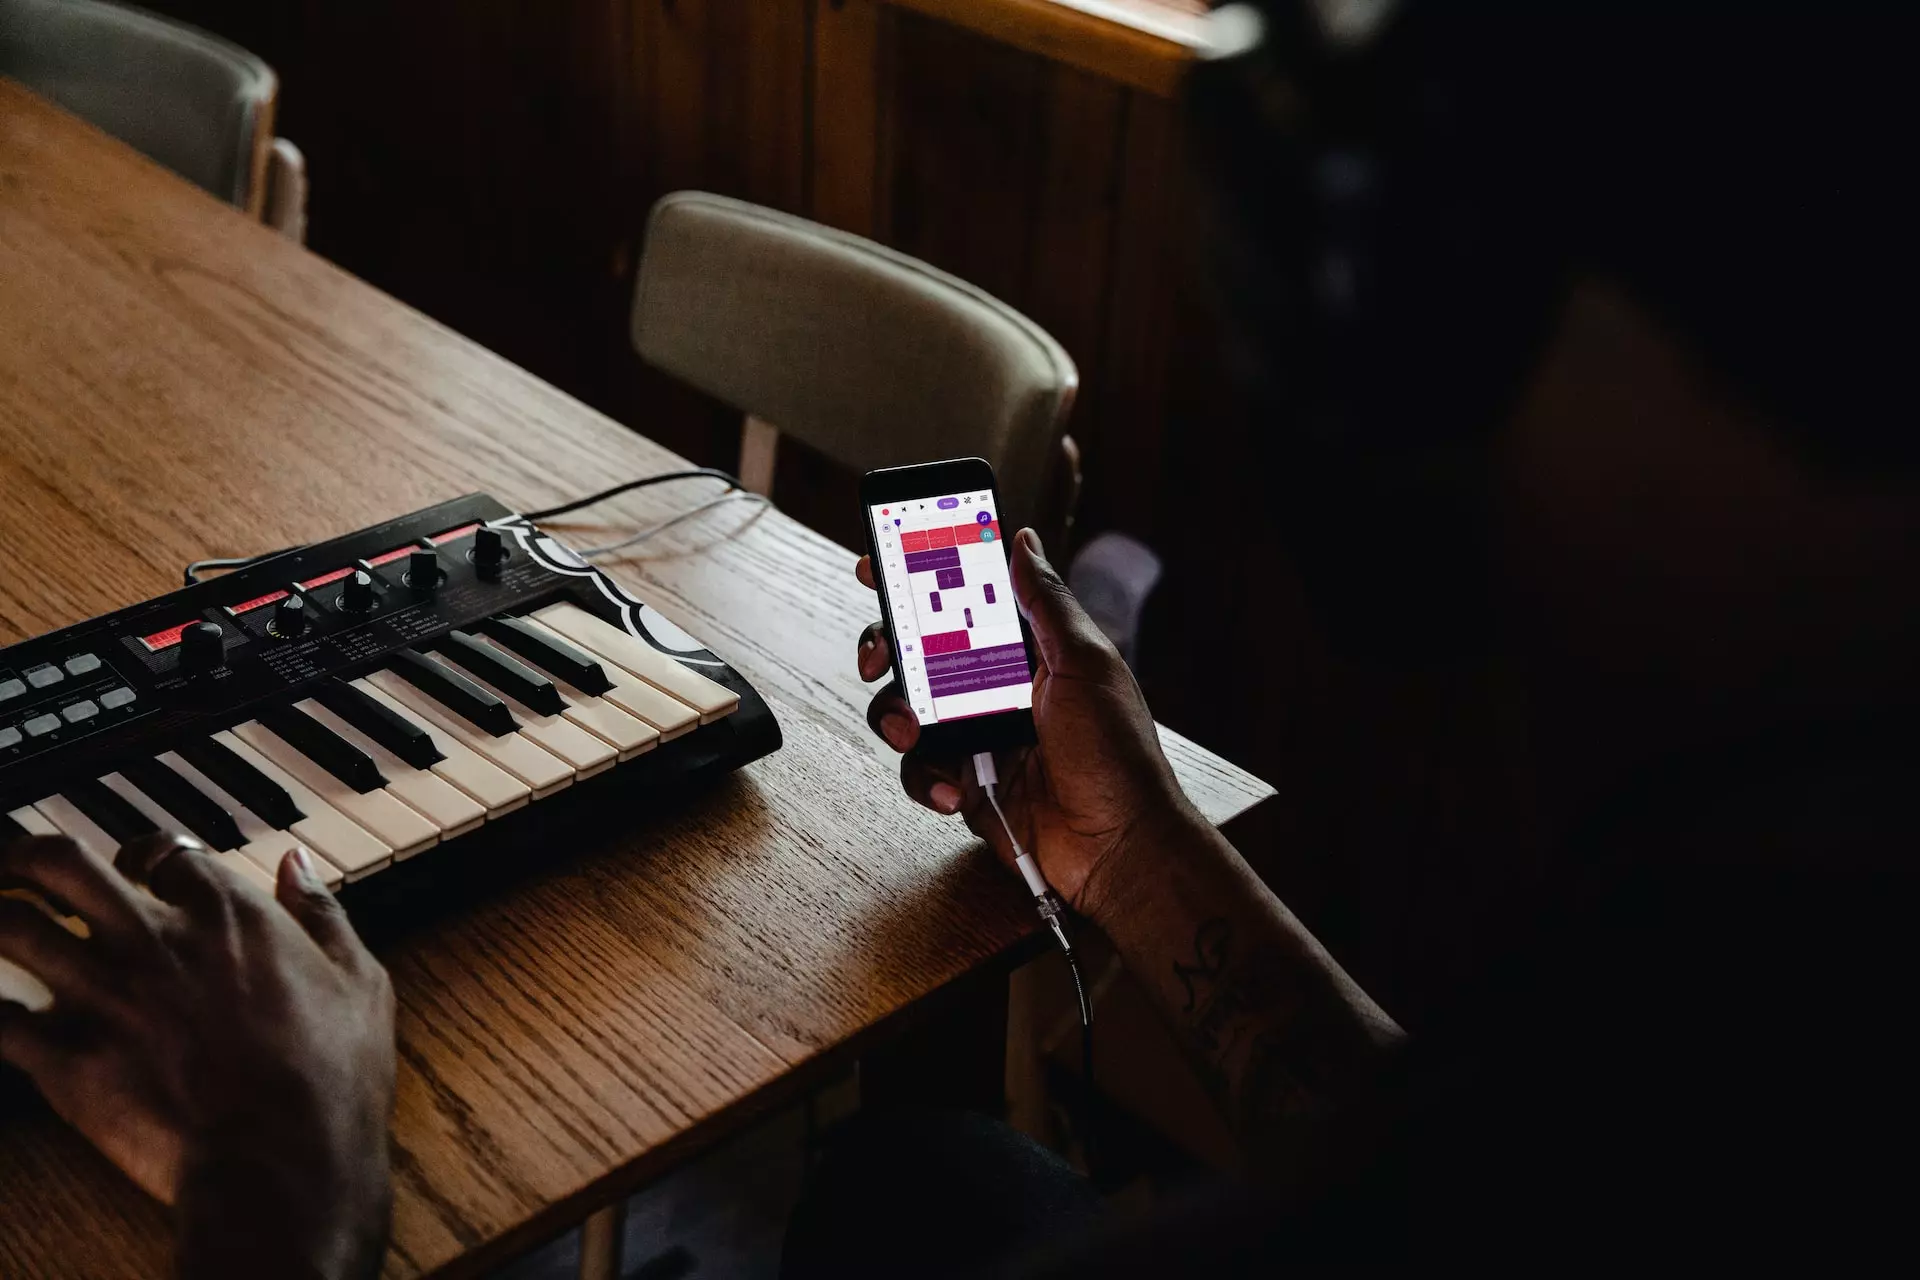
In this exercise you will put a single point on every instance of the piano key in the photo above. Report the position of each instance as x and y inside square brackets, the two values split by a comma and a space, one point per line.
[78, 827]
[109, 811]
[325, 830]
[548, 652]
[393, 824]
[610, 644]
[32, 821]
[540, 770]
[163, 819]
[212, 824]
[447, 807]
[626, 734]
[21, 986]
[558, 736]
[672, 717]
[324, 747]
[501, 672]
[454, 692]
[376, 720]
[242, 781]
[11, 830]
[265, 845]
[489, 785]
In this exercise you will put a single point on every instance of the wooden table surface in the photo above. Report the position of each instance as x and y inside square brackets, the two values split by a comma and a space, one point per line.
[1147, 44]
[178, 382]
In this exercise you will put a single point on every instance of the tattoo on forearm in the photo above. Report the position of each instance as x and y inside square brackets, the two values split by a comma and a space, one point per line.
[1244, 1024]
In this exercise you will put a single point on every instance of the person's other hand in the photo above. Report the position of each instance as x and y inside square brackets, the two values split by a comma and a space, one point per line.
[1098, 780]
[233, 1054]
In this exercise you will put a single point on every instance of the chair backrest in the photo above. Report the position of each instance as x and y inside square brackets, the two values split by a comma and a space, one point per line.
[870, 356]
[193, 102]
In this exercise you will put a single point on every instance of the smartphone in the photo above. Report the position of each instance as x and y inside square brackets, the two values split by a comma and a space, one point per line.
[961, 651]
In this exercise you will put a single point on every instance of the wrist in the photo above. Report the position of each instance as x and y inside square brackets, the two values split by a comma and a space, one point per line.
[249, 1212]
[1160, 834]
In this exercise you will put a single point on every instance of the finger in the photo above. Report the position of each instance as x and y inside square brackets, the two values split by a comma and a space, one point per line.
[71, 972]
[28, 1042]
[889, 716]
[875, 654]
[1064, 632]
[301, 891]
[864, 571]
[937, 784]
[59, 871]
[179, 871]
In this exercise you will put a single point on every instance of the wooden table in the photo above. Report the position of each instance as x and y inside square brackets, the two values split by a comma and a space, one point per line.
[178, 382]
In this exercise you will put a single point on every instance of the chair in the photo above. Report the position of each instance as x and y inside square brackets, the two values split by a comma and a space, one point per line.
[197, 104]
[870, 356]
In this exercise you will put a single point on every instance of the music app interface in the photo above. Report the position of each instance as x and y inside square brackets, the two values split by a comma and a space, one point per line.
[953, 611]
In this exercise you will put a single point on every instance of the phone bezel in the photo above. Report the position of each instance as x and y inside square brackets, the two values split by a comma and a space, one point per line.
[930, 480]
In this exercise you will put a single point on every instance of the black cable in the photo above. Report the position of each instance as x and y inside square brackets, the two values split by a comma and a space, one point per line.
[715, 473]
[194, 570]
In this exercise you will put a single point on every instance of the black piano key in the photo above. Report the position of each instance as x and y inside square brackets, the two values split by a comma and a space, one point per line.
[455, 692]
[378, 721]
[509, 675]
[201, 813]
[109, 811]
[550, 654]
[324, 747]
[252, 788]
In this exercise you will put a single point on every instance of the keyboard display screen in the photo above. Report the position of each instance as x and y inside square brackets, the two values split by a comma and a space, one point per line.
[951, 597]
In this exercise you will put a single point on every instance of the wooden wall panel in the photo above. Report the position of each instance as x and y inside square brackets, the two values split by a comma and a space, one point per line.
[844, 116]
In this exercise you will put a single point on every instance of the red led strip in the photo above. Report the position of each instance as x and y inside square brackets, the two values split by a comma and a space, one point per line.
[166, 639]
[248, 606]
[453, 535]
[325, 578]
[374, 562]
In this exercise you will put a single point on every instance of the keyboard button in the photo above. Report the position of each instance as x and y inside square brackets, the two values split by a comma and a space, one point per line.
[193, 809]
[11, 688]
[393, 824]
[166, 821]
[43, 676]
[485, 782]
[85, 710]
[241, 780]
[113, 815]
[265, 846]
[559, 737]
[450, 810]
[9, 737]
[82, 664]
[376, 720]
[42, 725]
[549, 652]
[114, 699]
[453, 692]
[626, 734]
[325, 830]
[542, 773]
[636, 656]
[501, 672]
[672, 717]
[325, 748]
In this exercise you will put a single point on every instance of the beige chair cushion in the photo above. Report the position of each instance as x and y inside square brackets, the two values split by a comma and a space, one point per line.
[870, 356]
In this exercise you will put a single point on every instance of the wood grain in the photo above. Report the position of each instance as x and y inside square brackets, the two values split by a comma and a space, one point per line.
[175, 382]
[1144, 44]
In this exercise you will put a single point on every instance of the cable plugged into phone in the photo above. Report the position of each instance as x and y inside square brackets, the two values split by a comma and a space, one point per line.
[1052, 909]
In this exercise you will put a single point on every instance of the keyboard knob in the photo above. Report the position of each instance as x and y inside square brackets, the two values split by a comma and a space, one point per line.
[423, 570]
[356, 593]
[289, 619]
[203, 648]
[489, 548]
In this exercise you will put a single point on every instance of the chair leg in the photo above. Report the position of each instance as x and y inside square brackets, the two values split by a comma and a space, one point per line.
[601, 1236]
[759, 446]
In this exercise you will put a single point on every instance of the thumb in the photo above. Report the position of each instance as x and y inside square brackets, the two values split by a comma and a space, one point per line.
[1061, 627]
[301, 891]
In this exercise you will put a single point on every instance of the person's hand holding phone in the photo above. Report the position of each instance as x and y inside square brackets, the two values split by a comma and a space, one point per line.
[1097, 783]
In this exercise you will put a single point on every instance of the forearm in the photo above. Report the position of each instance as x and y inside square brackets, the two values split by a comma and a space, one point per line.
[283, 1215]
[1293, 1051]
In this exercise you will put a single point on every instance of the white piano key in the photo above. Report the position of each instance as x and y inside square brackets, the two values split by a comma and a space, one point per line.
[325, 830]
[629, 735]
[32, 822]
[636, 697]
[265, 845]
[391, 823]
[487, 783]
[126, 790]
[558, 736]
[610, 644]
[78, 827]
[447, 807]
[21, 986]
[540, 770]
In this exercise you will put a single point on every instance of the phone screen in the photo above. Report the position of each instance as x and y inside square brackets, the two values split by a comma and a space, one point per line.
[950, 594]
